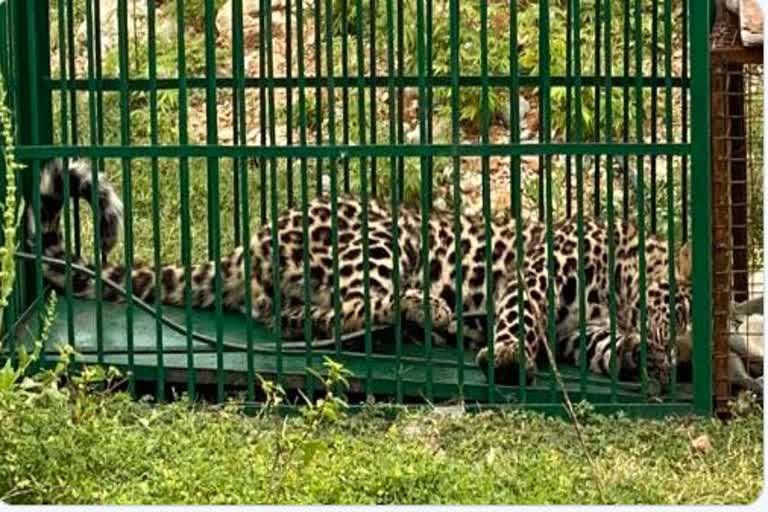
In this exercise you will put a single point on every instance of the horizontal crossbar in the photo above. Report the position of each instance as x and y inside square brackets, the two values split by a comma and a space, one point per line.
[340, 151]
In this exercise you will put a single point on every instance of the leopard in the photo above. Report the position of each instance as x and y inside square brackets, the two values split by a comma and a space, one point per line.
[412, 266]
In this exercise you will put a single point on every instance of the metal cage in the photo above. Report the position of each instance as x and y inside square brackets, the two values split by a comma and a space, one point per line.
[605, 113]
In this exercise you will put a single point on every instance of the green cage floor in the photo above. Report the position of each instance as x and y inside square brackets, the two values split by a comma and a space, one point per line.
[383, 374]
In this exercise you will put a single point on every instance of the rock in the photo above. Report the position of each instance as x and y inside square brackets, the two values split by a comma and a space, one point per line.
[751, 21]
[108, 24]
[732, 5]
[251, 22]
[702, 444]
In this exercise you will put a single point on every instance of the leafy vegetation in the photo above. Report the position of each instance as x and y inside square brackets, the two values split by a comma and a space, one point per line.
[80, 443]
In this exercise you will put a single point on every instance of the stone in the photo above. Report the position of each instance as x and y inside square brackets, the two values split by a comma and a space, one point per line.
[251, 22]
[702, 444]
[108, 24]
[751, 21]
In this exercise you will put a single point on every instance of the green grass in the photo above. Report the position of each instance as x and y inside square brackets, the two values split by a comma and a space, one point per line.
[109, 449]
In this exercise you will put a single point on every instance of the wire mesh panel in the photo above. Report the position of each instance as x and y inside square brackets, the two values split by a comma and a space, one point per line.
[739, 274]
[474, 201]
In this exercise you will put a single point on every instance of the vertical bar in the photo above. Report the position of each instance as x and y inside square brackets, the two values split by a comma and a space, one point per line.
[516, 191]
[654, 101]
[597, 106]
[684, 115]
[345, 88]
[318, 95]
[266, 14]
[400, 93]
[63, 50]
[95, 165]
[580, 196]
[186, 251]
[430, 96]
[395, 201]
[545, 113]
[641, 193]
[372, 59]
[625, 123]
[364, 196]
[34, 126]
[486, 191]
[701, 203]
[289, 97]
[155, 170]
[237, 14]
[309, 381]
[99, 76]
[332, 170]
[424, 189]
[214, 220]
[670, 190]
[125, 134]
[569, 34]
[245, 209]
[456, 161]
[74, 108]
[611, 204]
[262, 163]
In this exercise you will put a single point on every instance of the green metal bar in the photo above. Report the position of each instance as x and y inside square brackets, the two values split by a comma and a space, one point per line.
[125, 140]
[237, 124]
[289, 97]
[155, 170]
[214, 219]
[242, 173]
[309, 382]
[516, 189]
[63, 52]
[332, 170]
[456, 161]
[95, 166]
[596, 119]
[641, 196]
[668, 49]
[612, 311]
[395, 202]
[364, 198]
[32, 19]
[400, 94]
[701, 191]
[425, 191]
[625, 123]
[654, 103]
[262, 163]
[318, 96]
[569, 103]
[486, 191]
[545, 116]
[345, 89]
[333, 151]
[99, 74]
[266, 14]
[186, 254]
[430, 95]
[74, 108]
[372, 59]
[684, 116]
[576, 8]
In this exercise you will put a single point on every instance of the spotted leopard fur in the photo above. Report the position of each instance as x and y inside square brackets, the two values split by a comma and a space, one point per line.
[508, 282]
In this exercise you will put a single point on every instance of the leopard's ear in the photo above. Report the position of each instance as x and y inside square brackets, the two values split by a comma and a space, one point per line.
[684, 263]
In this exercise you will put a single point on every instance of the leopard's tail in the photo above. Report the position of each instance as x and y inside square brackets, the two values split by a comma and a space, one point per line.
[170, 279]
